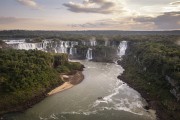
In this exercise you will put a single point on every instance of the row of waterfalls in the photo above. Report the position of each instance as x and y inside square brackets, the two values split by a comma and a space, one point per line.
[68, 47]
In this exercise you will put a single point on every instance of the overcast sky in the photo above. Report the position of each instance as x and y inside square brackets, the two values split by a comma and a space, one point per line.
[90, 14]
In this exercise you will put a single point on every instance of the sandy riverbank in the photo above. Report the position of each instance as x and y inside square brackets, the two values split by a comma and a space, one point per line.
[70, 81]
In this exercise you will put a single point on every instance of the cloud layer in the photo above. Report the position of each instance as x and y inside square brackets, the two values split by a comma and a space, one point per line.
[169, 20]
[29, 3]
[95, 6]
[165, 21]
[175, 3]
[107, 15]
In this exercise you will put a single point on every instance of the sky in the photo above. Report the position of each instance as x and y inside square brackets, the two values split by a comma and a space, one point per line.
[90, 15]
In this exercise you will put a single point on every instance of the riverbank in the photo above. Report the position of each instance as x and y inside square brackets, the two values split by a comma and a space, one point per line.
[20, 107]
[154, 101]
[146, 66]
[70, 81]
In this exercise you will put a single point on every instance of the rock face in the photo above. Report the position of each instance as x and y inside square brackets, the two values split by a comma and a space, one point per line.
[175, 87]
[3, 44]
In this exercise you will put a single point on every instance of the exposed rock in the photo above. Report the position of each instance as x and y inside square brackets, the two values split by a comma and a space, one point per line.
[100, 98]
[146, 107]
[175, 91]
[65, 77]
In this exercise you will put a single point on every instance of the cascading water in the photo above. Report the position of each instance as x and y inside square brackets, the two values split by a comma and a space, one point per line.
[71, 51]
[106, 42]
[68, 47]
[93, 43]
[122, 48]
[65, 45]
[21, 44]
[89, 54]
[9, 42]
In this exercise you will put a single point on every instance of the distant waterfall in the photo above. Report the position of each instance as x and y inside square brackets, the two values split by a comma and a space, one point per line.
[62, 48]
[9, 42]
[122, 48]
[71, 51]
[93, 43]
[89, 54]
[106, 43]
[28, 46]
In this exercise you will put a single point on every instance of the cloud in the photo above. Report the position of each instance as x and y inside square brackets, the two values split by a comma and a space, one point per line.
[148, 2]
[165, 21]
[95, 6]
[115, 24]
[11, 20]
[175, 3]
[7, 20]
[168, 20]
[29, 3]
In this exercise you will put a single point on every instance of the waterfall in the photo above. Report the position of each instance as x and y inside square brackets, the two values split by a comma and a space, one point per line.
[26, 46]
[106, 43]
[9, 42]
[122, 48]
[21, 44]
[71, 51]
[89, 54]
[93, 43]
[62, 48]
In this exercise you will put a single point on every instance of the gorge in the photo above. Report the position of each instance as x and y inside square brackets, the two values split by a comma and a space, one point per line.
[101, 95]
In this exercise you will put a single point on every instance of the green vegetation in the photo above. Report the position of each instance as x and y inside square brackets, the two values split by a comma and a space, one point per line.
[147, 63]
[25, 75]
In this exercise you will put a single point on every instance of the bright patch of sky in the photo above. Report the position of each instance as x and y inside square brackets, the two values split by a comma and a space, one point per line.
[90, 14]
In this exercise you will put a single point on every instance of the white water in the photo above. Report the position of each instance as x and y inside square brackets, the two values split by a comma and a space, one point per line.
[89, 54]
[122, 48]
[93, 43]
[9, 42]
[60, 47]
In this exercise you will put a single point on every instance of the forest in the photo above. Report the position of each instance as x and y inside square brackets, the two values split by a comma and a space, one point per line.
[25, 75]
[153, 68]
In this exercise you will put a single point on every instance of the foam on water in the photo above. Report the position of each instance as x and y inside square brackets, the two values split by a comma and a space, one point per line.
[115, 102]
[111, 102]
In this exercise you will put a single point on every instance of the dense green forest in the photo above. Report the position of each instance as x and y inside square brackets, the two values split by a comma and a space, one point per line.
[153, 68]
[26, 75]
[86, 35]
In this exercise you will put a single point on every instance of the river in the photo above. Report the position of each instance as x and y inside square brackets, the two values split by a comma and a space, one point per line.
[117, 101]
